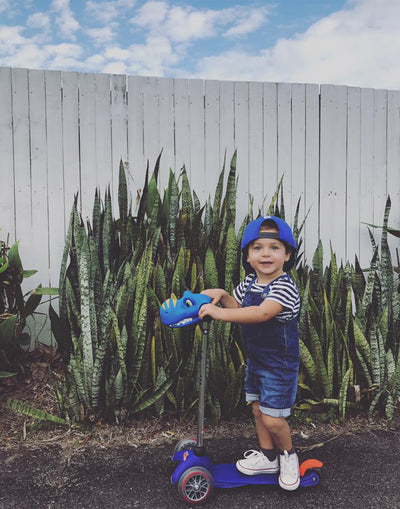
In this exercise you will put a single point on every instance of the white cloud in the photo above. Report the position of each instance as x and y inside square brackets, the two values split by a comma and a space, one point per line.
[185, 23]
[248, 22]
[4, 5]
[358, 45]
[39, 20]
[101, 36]
[65, 19]
[108, 11]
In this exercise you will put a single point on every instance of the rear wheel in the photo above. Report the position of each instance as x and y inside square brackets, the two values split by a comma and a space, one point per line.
[196, 485]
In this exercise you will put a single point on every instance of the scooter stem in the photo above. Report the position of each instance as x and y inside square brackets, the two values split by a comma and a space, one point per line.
[200, 449]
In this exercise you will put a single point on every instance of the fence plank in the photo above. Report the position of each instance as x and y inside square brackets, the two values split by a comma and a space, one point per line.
[166, 128]
[55, 173]
[197, 141]
[137, 162]
[119, 125]
[7, 199]
[151, 136]
[353, 170]
[380, 145]
[393, 163]
[333, 169]
[270, 143]
[367, 173]
[103, 156]
[227, 123]
[212, 130]
[87, 142]
[182, 137]
[285, 145]
[298, 148]
[311, 195]
[22, 167]
[242, 144]
[256, 180]
[70, 123]
[39, 249]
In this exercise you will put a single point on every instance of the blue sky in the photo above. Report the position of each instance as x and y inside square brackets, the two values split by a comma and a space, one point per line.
[350, 42]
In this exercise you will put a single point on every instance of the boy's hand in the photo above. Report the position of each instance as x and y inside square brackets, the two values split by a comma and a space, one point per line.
[211, 310]
[216, 294]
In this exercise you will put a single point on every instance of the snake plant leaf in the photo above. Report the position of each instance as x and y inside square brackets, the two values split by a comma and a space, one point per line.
[31, 411]
[7, 330]
[230, 195]
[186, 196]
[15, 264]
[210, 270]
[122, 193]
[318, 359]
[343, 392]
[231, 258]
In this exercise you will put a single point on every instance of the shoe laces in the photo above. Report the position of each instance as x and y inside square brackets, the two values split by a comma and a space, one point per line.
[289, 464]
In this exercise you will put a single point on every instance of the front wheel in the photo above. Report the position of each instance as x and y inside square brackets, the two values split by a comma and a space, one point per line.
[185, 444]
[196, 485]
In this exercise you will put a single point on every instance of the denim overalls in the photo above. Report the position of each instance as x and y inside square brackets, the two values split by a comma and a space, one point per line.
[272, 359]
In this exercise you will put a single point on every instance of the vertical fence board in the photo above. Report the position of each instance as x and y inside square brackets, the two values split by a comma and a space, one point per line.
[380, 149]
[242, 143]
[311, 195]
[182, 136]
[393, 163]
[7, 190]
[22, 168]
[285, 145]
[55, 174]
[227, 123]
[367, 173]
[256, 163]
[298, 148]
[119, 125]
[353, 171]
[166, 128]
[197, 141]
[137, 163]
[70, 123]
[270, 143]
[102, 132]
[39, 249]
[87, 142]
[211, 133]
[151, 137]
[333, 169]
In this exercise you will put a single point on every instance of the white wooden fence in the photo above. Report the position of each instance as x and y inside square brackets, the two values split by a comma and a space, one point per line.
[63, 132]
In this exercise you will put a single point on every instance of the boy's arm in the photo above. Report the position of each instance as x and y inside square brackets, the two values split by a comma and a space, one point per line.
[251, 314]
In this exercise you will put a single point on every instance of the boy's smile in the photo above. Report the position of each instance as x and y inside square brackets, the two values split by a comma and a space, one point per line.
[267, 256]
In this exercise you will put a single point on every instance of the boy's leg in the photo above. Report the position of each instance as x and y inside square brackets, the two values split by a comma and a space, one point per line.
[265, 438]
[278, 429]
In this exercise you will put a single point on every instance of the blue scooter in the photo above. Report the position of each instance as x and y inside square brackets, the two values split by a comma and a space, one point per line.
[195, 475]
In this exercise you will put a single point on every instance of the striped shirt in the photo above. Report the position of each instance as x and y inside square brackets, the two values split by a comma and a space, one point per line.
[282, 290]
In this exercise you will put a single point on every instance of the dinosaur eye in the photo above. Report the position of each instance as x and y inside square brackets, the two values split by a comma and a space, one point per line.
[188, 303]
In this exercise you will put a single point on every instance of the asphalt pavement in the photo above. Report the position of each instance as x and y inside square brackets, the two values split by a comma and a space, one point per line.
[361, 470]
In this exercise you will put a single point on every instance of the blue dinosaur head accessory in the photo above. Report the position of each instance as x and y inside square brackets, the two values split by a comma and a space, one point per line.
[184, 311]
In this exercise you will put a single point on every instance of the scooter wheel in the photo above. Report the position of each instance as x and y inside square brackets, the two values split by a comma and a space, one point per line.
[185, 444]
[196, 485]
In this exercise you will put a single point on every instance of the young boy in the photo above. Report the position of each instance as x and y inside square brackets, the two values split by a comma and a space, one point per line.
[266, 304]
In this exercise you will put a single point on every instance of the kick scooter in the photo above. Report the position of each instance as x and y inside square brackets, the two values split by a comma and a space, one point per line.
[195, 475]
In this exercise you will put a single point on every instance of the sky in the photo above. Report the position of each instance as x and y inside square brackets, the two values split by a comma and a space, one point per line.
[344, 42]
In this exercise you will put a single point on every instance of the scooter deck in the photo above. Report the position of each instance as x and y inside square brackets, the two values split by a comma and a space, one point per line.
[226, 475]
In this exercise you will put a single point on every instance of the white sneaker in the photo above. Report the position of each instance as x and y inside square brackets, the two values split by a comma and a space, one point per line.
[255, 462]
[289, 478]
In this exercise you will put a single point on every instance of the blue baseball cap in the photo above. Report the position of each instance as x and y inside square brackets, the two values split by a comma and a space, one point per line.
[252, 232]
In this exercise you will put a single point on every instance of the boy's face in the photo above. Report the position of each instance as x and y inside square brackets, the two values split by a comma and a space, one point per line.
[267, 256]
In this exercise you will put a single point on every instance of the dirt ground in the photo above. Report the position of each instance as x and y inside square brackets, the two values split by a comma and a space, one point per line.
[129, 465]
